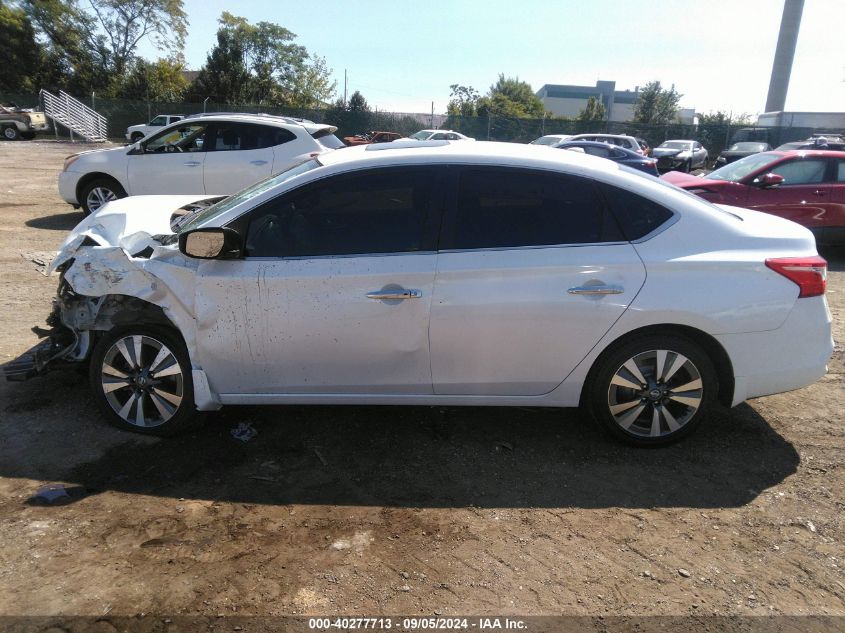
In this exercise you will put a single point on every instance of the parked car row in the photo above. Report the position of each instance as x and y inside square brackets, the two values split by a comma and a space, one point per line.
[617, 154]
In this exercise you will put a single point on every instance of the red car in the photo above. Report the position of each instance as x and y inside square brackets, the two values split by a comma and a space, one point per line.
[807, 187]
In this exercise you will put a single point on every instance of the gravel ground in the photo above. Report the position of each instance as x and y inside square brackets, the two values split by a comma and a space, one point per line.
[384, 510]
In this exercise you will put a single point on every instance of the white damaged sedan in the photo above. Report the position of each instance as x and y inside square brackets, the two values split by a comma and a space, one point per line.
[439, 273]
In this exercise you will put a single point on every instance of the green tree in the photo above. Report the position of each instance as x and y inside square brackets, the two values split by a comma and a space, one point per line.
[74, 56]
[127, 22]
[357, 103]
[19, 51]
[312, 87]
[463, 101]
[722, 118]
[510, 97]
[594, 111]
[161, 80]
[92, 47]
[656, 106]
[224, 77]
[261, 63]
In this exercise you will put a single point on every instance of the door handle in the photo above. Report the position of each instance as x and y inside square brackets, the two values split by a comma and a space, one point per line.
[819, 192]
[192, 163]
[383, 295]
[258, 162]
[596, 290]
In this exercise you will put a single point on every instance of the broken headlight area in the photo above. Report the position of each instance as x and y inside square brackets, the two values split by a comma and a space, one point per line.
[61, 345]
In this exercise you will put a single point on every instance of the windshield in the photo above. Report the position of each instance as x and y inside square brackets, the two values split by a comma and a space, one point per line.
[747, 147]
[202, 216]
[734, 172]
[676, 145]
[421, 135]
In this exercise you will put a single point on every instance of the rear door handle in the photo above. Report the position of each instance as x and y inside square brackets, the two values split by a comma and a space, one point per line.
[193, 163]
[258, 162]
[596, 290]
[382, 295]
[819, 192]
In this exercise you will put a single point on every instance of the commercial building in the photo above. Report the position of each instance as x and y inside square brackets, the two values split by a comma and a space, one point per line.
[568, 101]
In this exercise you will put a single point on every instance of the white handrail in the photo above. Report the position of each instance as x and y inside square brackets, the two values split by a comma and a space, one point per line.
[75, 115]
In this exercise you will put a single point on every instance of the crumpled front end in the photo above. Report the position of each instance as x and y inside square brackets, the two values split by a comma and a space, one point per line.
[117, 267]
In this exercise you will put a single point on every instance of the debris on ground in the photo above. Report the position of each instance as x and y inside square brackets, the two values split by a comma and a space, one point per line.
[684, 573]
[57, 495]
[41, 259]
[244, 432]
[320, 457]
[54, 494]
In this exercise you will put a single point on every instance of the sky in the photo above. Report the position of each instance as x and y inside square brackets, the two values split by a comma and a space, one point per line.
[402, 55]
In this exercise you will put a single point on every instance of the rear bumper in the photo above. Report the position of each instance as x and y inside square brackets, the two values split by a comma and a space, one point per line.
[791, 357]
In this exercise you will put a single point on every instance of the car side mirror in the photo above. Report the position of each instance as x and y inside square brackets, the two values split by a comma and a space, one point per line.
[211, 243]
[769, 180]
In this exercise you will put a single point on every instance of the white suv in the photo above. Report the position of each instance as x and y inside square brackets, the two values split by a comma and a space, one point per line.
[213, 154]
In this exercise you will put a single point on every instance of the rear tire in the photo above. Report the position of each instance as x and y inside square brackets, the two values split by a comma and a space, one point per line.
[10, 133]
[98, 192]
[141, 379]
[652, 390]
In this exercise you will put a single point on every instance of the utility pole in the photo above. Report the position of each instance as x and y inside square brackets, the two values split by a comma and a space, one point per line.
[432, 114]
[784, 55]
[344, 88]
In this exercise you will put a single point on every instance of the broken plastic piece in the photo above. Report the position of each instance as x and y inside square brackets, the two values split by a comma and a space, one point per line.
[53, 495]
[244, 432]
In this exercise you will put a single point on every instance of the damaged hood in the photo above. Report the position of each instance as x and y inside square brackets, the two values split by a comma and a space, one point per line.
[128, 223]
[661, 152]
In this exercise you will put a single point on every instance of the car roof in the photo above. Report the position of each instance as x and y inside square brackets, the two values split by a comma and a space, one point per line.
[489, 152]
[600, 135]
[582, 142]
[823, 153]
[270, 119]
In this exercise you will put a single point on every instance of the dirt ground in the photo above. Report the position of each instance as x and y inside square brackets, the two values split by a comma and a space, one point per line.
[384, 510]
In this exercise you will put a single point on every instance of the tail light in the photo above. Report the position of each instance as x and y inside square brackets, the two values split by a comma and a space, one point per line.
[809, 273]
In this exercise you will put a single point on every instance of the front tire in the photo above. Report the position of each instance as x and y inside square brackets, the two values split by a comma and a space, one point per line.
[10, 133]
[136, 136]
[98, 192]
[653, 390]
[141, 379]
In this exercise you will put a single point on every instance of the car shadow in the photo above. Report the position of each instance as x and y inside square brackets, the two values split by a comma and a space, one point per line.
[835, 256]
[57, 221]
[388, 456]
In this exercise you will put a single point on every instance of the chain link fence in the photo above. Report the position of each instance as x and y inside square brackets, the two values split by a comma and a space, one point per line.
[121, 113]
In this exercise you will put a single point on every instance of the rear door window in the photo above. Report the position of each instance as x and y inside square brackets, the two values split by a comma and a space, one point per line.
[637, 216]
[246, 136]
[500, 207]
